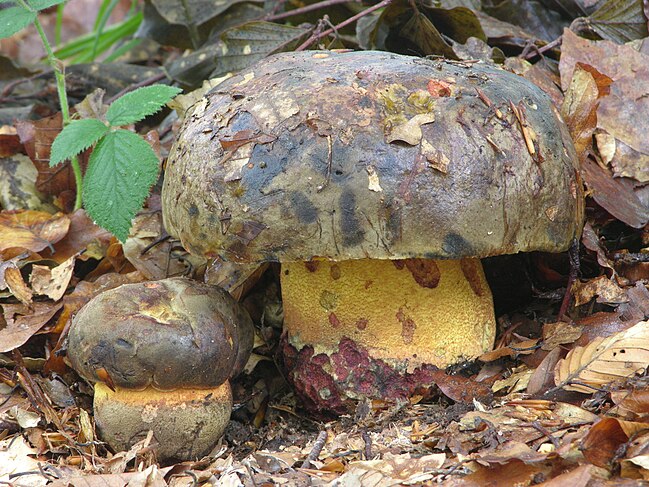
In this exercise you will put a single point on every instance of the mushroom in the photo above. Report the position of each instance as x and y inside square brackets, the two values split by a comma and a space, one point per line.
[378, 181]
[160, 354]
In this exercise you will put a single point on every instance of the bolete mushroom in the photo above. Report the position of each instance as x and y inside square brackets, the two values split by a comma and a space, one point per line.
[160, 354]
[378, 181]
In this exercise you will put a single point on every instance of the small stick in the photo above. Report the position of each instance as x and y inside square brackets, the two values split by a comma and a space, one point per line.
[306, 9]
[368, 444]
[575, 265]
[315, 451]
[350, 20]
[544, 431]
[538, 51]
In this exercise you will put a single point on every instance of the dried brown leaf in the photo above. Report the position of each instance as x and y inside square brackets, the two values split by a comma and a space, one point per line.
[52, 282]
[601, 444]
[581, 476]
[613, 60]
[14, 280]
[151, 477]
[591, 241]
[23, 322]
[559, 333]
[605, 360]
[606, 290]
[31, 230]
[635, 402]
[544, 373]
[84, 238]
[579, 109]
[524, 347]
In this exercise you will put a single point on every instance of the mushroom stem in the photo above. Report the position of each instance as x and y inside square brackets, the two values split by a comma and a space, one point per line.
[186, 423]
[406, 313]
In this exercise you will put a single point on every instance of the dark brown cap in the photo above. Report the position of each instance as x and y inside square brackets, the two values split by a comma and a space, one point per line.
[372, 155]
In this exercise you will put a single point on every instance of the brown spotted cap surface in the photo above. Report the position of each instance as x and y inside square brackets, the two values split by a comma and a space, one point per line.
[371, 155]
[169, 334]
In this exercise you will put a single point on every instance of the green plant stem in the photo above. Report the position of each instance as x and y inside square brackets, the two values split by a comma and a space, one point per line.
[59, 75]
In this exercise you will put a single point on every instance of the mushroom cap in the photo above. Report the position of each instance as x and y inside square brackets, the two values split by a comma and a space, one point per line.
[169, 334]
[371, 155]
[186, 423]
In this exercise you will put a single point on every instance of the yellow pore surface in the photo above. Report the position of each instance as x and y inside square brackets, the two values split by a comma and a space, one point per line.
[410, 312]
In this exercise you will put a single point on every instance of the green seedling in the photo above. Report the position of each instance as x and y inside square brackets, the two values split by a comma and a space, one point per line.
[122, 167]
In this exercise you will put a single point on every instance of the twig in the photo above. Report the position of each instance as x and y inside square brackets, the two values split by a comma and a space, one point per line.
[315, 451]
[133, 87]
[544, 431]
[575, 265]
[368, 444]
[350, 20]
[306, 9]
[526, 54]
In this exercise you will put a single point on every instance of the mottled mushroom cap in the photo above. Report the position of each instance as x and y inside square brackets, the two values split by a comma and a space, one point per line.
[169, 334]
[371, 155]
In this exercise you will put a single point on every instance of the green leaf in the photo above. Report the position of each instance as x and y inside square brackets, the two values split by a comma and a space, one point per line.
[76, 137]
[43, 4]
[14, 19]
[120, 173]
[138, 104]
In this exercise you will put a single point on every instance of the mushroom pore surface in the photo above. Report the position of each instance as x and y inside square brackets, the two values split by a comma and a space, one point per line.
[336, 164]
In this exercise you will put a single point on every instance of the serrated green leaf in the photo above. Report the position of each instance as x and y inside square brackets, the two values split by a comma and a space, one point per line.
[14, 19]
[138, 104]
[76, 137]
[43, 4]
[121, 171]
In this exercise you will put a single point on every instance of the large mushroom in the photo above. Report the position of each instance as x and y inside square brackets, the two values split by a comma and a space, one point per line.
[378, 181]
[160, 354]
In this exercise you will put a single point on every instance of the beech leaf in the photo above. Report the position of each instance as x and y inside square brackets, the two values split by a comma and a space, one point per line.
[604, 360]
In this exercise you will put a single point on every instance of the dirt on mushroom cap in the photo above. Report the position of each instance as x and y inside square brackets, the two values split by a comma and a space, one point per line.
[372, 155]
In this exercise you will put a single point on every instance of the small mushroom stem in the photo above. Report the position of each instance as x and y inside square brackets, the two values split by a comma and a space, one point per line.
[359, 319]
[186, 423]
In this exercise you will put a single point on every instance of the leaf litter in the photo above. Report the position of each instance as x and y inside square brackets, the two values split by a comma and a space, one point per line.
[559, 401]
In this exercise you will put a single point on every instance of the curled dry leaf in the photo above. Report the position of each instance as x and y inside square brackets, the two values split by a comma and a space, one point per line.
[23, 322]
[52, 282]
[605, 360]
[601, 444]
[606, 290]
[32, 230]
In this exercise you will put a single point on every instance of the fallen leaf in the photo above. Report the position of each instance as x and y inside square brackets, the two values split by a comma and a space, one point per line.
[16, 458]
[559, 333]
[544, 373]
[613, 60]
[23, 322]
[52, 282]
[153, 476]
[591, 241]
[32, 230]
[601, 443]
[84, 238]
[579, 109]
[634, 402]
[582, 476]
[410, 131]
[524, 347]
[606, 290]
[14, 281]
[604, 360]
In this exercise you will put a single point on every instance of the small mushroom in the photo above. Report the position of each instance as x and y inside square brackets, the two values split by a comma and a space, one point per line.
[160, 354]
[378, 181]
